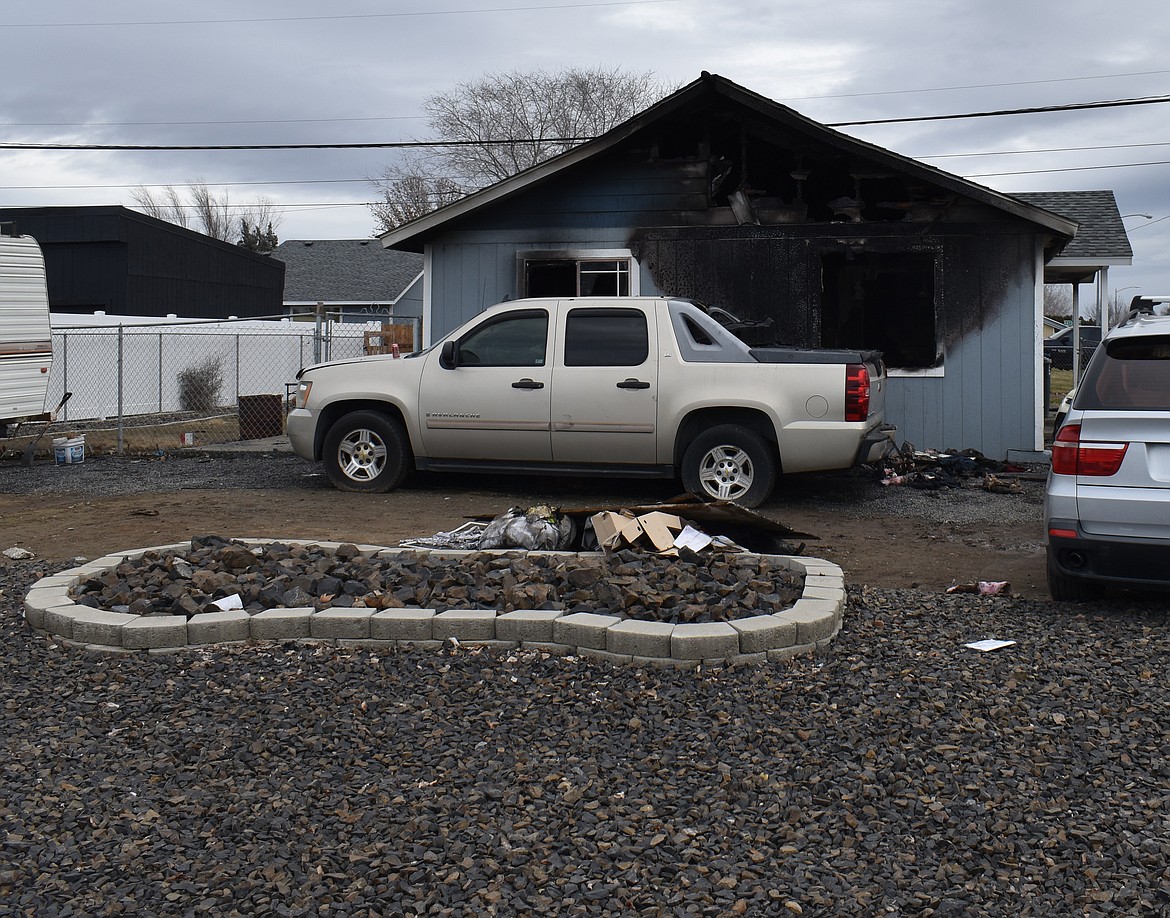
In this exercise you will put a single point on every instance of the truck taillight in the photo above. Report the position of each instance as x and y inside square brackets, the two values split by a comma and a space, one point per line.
[1073, 456]
[856, 392]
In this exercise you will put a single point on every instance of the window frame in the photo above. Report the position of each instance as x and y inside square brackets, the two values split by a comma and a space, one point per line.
[579, 256]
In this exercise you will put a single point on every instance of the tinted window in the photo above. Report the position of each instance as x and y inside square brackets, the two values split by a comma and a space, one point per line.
[1132, 373]
[606, 338]
[515, 340]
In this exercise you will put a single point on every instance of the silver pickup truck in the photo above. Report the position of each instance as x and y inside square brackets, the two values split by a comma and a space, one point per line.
[629, 386]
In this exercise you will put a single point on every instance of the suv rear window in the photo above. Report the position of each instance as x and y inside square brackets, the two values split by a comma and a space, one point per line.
[1132, 373]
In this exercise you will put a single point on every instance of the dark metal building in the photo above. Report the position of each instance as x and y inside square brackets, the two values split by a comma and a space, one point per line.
[123, 262]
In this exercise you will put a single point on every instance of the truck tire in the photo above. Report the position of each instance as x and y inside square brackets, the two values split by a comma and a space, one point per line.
[367, 451]
[730, 462]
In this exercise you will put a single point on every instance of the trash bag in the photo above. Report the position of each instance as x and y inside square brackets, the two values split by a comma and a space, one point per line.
[536, 529]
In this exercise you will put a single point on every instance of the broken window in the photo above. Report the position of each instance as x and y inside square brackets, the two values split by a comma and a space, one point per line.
[882, 301]
[576, 276]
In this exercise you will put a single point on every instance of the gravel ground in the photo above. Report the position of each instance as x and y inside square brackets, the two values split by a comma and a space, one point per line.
[899, 773]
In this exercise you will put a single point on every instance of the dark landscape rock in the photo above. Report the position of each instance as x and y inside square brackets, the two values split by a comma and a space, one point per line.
[897, 773]
[695, 588]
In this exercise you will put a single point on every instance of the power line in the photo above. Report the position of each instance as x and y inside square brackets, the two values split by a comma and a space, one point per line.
[197, 123]
[124, 147]
[271, 19]
[1067, 169]
[1042, 109]
[1046, 109]
[1112, 146]
[899, 92]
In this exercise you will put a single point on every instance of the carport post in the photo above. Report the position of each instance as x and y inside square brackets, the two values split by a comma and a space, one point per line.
[317, 333]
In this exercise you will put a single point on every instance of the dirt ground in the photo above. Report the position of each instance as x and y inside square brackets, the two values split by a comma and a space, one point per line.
[855, 528]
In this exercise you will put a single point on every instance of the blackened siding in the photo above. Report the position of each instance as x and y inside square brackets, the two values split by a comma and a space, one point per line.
[982, 394]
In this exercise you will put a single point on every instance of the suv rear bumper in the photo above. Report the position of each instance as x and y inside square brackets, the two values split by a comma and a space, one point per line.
[1137, 563]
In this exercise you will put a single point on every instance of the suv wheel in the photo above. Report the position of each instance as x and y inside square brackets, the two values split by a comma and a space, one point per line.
[730, 462]
[367, 451]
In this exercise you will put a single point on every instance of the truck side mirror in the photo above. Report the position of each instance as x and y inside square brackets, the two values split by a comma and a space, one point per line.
[447, 356]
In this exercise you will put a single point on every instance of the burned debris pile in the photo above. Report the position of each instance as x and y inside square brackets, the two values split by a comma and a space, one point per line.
[931, 470]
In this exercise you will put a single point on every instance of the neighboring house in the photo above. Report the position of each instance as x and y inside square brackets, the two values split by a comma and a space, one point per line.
[720, 194]
[116, 260]
[356, 280]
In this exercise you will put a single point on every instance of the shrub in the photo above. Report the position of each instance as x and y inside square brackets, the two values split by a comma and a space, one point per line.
[199, 385]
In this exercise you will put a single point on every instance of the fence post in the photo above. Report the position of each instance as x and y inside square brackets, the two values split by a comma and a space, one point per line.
[160, 355]
[237, 372]
[65, 369]
[121, 386]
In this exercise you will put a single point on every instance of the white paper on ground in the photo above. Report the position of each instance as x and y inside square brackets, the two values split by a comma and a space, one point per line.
[228, 603]
[989, 644]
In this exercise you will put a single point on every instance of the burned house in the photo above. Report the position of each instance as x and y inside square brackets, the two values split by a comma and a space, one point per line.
[719, 194]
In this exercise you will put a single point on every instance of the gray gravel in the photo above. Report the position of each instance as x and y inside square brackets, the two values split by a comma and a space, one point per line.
[899, 773]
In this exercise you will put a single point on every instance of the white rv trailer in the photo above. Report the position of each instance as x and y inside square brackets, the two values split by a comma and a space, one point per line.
[26, 341]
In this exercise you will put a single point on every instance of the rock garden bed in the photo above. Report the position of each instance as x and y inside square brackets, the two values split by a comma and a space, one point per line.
[628, 604]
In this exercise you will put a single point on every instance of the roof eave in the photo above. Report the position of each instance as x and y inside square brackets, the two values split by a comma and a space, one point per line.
[409, 236]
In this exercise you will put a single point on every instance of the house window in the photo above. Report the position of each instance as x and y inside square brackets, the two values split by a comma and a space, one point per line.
[576, 275]
[883, 301]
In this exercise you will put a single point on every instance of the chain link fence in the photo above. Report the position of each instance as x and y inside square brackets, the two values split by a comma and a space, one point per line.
[152, 386]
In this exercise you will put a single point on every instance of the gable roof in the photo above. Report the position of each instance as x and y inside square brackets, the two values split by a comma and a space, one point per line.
[413, 235]
[1101, 240]
[345, 270]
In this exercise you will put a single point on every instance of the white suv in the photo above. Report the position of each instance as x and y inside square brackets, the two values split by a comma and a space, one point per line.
[1107, 504]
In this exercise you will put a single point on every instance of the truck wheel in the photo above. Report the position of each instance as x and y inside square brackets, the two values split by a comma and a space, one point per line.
[730, 462]
[367, 451]
[1063, 588]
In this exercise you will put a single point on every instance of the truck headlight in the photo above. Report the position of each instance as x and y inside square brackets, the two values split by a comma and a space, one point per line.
[303, 394]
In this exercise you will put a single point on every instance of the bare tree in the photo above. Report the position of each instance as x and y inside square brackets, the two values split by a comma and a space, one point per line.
[503, 124]
[205, 210]
[164, 205]
[1058, 301]
[1117, 307]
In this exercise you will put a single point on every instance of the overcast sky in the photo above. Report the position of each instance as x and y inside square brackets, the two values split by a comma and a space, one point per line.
[358, 71]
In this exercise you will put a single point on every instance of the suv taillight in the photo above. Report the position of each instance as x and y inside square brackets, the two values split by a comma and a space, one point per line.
[856, 392]
[1072, 456]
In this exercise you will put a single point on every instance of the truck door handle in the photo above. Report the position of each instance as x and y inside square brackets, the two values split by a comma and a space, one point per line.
[527, 383]
[632, 383]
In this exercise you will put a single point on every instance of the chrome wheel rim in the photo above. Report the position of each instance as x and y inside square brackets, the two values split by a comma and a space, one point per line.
[726, 472]
[361, 455]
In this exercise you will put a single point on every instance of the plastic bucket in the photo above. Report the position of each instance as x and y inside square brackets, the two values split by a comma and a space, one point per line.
[69, 450]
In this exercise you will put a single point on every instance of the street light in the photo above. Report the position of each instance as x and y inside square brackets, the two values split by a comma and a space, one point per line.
[1147, 216]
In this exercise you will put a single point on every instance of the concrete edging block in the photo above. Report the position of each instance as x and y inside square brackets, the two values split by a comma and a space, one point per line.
[154, 632]
[464, 625]
[281, 624]
[402, 625]
[97, 626]
[58, 620]
[584, 630]
[217, 627]
[341, 623]
[704, 641]
[527, 625]
[762, 633]
[639, 638]
[815, 619]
